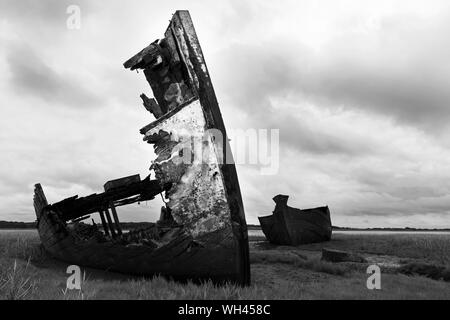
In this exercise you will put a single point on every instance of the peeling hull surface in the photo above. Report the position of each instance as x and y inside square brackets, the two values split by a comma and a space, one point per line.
[197, 200]
[202, 233]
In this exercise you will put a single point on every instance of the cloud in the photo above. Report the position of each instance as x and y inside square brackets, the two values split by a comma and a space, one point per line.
[40, 14]
[270, 93]
[394, 68]
[35, 10]
[30, 75]
[320, 134]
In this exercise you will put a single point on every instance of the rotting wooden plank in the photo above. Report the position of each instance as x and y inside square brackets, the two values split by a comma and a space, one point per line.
[116, 219]
[75, 207]
[152, 54]
[186, 120]
[104, 224]
[40, 201]
[121, 182]
[152, 106]
[80, 219]
[110, 223]
[214, 120]
[175, 260]
[291, 226]
[217, 250]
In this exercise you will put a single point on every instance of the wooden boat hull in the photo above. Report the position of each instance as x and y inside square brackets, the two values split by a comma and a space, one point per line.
[177, 261]
[291, 226]
[204, 199]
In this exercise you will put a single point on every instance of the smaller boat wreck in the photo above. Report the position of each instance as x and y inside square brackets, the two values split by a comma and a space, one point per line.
[291, 226]
[202, 232]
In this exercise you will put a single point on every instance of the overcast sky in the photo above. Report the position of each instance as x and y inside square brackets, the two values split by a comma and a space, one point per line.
[360, 91]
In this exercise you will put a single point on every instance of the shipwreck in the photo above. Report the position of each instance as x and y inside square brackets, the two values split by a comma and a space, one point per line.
[202, 232]
[291, 226]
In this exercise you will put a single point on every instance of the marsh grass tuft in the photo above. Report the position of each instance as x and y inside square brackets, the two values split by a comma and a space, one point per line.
[15, 284]
[22, 248]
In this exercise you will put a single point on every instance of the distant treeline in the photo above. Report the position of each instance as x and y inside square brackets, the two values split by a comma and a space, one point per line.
[135, 225]
[17, 225]
[387, 229]
[258, 227]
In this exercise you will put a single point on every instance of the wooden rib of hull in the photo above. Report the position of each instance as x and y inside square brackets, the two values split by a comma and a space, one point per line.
[291, 226]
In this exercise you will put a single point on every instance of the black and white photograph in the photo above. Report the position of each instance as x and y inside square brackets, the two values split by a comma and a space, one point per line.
[241, 151]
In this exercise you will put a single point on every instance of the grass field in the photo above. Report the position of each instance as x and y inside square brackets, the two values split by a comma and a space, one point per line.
[278, 272]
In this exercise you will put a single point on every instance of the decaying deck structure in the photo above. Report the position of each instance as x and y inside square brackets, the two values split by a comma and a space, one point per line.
[291, 226]
[202, 233]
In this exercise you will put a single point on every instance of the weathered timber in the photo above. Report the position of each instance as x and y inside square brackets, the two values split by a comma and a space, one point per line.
[164, 72]
[202, 233]
[40, 201]
[80, 219]
[110, 223]
[165, 215]
[116, 219]
[152, 106]
[74, 207]
[191, 111]
[175, 258]
[122, 182]
[104, 224]
[151, 55]
[291, 226]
